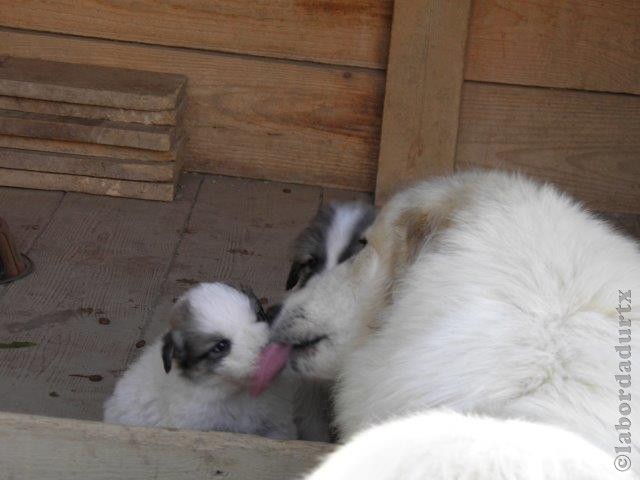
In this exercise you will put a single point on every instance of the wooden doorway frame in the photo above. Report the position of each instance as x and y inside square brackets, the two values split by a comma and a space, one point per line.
[424, 83]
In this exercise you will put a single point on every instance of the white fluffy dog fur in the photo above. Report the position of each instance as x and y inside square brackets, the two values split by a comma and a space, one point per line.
[473, 449]
[206, 387]
[483, 293]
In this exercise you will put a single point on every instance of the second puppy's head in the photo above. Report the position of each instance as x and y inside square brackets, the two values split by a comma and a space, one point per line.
[216, 332]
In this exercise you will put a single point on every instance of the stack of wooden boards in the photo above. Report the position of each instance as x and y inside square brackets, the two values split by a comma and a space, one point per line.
[85, 128]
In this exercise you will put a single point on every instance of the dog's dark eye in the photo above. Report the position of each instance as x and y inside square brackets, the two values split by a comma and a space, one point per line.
[363, 242]
[221, 346]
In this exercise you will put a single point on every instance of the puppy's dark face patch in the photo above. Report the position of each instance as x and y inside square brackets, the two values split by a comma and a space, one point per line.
[195, 355]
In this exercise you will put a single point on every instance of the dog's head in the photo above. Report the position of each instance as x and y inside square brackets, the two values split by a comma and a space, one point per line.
[339, 305]
[217, 331]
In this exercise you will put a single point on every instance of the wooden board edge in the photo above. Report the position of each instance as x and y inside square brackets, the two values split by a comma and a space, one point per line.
[87, 165]
[73, 449]
[91, 185]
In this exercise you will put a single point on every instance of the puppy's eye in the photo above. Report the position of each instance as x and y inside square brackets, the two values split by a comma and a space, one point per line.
[221, 346]
[363, 242]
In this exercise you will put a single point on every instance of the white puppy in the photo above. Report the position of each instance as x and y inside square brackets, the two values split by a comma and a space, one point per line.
[209, 358]
[484, 293]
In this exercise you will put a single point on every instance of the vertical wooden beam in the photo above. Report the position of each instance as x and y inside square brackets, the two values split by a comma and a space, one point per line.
[424, 82]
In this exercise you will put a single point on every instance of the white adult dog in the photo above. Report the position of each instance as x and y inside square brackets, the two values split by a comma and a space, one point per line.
[485, 294]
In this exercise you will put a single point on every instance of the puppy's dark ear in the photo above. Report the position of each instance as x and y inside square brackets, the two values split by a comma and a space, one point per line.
[294, 274]
[256, 305]
[173, 348]
[168, 347]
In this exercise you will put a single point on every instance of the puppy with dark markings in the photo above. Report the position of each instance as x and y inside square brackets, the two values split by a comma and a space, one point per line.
[199, 375]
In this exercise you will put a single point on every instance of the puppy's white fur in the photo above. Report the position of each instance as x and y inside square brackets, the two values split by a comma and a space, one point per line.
[217, 400]
[484, 293]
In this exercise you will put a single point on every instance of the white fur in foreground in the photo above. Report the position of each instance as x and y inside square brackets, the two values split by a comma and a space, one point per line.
[450, 446]
[210, 394]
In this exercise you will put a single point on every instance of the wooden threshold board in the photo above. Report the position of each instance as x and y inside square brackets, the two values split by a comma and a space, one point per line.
[102, 167]
[89, 84]
[149, 137]
[48, 448]
[147, 117]
[84, 184]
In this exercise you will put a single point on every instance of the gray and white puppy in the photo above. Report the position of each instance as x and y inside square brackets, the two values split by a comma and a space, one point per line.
[198, 376]
[333, 236]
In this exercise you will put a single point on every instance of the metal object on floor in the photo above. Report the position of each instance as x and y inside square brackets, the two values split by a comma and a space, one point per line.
[13, 264]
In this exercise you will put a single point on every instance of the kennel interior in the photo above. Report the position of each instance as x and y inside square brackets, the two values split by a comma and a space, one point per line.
[315, 101]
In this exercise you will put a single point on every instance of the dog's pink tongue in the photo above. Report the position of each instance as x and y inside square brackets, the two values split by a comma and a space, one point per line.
[272, 360]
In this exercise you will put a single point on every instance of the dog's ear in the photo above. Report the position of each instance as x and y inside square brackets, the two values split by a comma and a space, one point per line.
[294, 274]
[168, 347]
[256, 305]
[414, 225]
[173, 348]
[180, 313]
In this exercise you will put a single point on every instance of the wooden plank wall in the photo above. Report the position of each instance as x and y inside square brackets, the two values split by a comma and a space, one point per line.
[577, 44]
[549, 88]
[278, 90]
[298, 95]
[337, 32]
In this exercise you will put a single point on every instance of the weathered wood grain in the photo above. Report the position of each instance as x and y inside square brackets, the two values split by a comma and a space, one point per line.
[93, 185]
[252, 117]
[103, 167]
[580, 44]
[148, 117]
[89, 84]
[92, 149]
[27, 212]
[133, 135]
[426, 62]
[587, 143]
[240, 231]
[48, 448]
[100, 264]
[340, 32]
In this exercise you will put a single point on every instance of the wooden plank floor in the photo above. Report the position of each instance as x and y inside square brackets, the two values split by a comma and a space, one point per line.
[109, 269]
